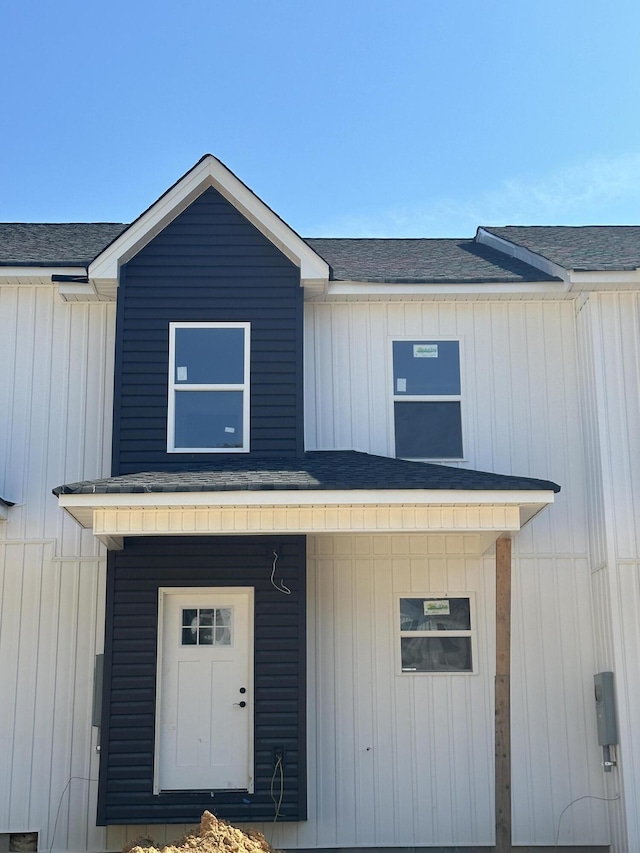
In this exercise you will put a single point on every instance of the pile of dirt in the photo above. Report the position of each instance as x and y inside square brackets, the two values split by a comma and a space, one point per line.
[214, 836]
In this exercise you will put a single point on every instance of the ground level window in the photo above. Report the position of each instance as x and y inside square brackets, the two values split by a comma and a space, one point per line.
[435, 634]
[427, 399]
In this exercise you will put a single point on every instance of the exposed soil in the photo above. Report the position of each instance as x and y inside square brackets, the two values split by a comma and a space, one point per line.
[213, 836]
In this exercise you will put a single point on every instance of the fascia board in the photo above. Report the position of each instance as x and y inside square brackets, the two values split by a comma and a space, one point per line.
[385, 290]
[522, 254]
[209, 172]
[30, 274]
[415, 497]
[604, 279]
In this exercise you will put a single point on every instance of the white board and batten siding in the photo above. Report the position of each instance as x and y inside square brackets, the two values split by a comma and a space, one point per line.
[609, 335]
[55, 427]
[520, 399]
[522, 414]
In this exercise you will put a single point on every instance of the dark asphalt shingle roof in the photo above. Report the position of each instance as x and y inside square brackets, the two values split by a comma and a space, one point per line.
[592, 247]
[420, 261]
[376, 260]
[318, 470]
[581, 248]
[55, 244]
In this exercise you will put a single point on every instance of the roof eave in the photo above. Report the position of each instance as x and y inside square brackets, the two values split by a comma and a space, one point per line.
[114, 516]
[406, 290]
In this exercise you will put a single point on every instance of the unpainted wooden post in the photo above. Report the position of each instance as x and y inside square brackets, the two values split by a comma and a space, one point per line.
[503, 697]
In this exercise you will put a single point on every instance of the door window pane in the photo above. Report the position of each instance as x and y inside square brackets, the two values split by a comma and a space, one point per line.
[206, 626]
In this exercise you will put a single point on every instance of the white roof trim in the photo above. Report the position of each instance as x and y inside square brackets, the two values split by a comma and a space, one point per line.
[389, 290]
[516, 251]
[304, 511]
[208, 172]
[576, 280]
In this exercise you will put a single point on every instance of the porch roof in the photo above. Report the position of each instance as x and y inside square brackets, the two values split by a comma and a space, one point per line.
[323, 492]
[318, 470]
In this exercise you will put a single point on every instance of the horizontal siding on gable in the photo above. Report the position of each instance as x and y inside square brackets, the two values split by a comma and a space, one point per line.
[208, 265]
[134, 577]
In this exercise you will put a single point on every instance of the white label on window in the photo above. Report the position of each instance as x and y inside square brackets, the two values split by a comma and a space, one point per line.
[401, 385]
[436, 608]
[229, 429]
[425, 350]
[182, 374]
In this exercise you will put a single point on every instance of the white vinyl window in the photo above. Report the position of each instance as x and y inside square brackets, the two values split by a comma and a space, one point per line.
[427, 399]
[208, 388]
[435, 634]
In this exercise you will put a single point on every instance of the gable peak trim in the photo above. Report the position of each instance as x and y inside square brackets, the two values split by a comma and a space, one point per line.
[207, 172]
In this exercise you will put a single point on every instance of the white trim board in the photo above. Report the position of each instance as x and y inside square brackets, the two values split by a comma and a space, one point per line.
[208, 172]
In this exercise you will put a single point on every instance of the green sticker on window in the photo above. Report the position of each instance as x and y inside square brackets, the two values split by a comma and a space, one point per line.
[425, 350]
[433, 607]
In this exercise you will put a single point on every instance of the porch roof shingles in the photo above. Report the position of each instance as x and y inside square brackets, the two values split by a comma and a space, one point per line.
[340, 470]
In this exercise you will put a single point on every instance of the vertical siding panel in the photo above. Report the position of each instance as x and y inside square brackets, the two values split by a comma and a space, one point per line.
[310, 377]
[365, 707]
[590, 429]
[83, 790]
[380, 421]
[341, 375]
[21, 414]
[8, 334]
[385, 769]
[47, 616]
[11, 604]
[62, 707]
[345, 718]
[61, 420]
[361, 351]
[327, 696]
[325, 400]
[30, 567]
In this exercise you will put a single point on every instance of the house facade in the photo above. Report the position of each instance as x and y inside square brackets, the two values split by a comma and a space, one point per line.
[252, 491]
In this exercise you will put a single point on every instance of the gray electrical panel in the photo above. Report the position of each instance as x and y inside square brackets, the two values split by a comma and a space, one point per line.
[96, 715]
[605, 708]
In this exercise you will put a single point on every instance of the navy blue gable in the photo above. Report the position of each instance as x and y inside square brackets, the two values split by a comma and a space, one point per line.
[210, 265]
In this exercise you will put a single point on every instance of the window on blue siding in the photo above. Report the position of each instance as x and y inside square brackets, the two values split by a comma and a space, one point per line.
[208, 388]
[427, 399]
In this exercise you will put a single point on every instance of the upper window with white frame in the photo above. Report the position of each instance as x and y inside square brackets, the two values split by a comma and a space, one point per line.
[208, 388]
[427, 399]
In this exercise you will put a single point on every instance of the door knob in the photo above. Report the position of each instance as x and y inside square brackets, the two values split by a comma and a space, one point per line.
[241, 704]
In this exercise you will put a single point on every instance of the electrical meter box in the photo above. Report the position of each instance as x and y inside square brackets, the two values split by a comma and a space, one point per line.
[605, 708]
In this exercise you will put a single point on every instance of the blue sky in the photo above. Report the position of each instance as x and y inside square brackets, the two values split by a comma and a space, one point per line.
[353, 118]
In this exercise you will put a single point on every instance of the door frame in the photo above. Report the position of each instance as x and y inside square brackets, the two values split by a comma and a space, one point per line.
[163, 593]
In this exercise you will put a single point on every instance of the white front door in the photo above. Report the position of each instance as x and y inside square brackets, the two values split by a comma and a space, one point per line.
[205, 711]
